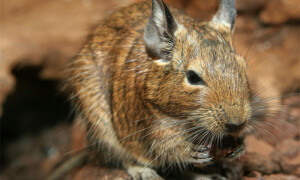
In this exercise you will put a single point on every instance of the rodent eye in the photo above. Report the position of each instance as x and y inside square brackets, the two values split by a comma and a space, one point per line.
[194, 78]
[166, 53]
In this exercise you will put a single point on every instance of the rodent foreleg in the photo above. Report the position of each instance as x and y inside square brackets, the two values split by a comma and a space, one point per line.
[201, 155]
[143, 173]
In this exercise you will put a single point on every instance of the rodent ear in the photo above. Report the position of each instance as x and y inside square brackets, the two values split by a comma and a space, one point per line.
[226, 13]
[159, 32]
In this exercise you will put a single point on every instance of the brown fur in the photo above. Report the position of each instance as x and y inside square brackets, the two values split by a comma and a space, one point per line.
[138, 107]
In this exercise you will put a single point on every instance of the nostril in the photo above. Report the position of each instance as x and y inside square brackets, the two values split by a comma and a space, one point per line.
[233, 127]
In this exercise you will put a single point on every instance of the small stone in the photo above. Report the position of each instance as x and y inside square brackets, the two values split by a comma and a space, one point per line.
[257, 162]
[278, 129]
[199, 9]
[281, 11]
[245, 23]
[291, 164]
[250, 5]
[287, 153]
[280, 177]
[252, 143]
[254, 175]
[297, 172]
[90, 172]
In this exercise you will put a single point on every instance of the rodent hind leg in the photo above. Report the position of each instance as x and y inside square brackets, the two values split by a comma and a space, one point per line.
[201, 155]
[142, 173]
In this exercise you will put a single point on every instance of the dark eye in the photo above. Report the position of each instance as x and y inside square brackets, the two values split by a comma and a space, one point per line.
[194, 78]
[166, 53]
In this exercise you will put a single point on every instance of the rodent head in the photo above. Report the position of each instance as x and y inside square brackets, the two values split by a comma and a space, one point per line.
[195, 72]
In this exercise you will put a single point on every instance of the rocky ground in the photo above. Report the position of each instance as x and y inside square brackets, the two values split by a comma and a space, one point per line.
[39, 38]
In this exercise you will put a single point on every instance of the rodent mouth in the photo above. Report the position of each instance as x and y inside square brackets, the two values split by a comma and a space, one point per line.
[229, 141]
[225, 147]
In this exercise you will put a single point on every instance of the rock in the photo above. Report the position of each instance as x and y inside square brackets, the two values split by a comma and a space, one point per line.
[252, 143]
[281, 11]
[294, 119]
[277, 129]
[89, 172]
[7, 82]
[203, 10]
[78, 135]
[287, 153]
[257, 162]
[280, 177]
[293, 104]
[271, 54]
[254, 175]
[293, 100]
[245, 23]
[287, 148]
[297, 172]
[286, 123]
[292, 165]
[47, 34]
[232, 169]
[41, 152]
[250, 5]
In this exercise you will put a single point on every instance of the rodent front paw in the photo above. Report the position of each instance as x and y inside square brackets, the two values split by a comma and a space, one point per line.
[142, 173]
[201, 155]
[237, 152]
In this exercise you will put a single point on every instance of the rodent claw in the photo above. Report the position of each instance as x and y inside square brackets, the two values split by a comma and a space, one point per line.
[201, 148]
[198, 155]
[142, 173]
[201, 155]
[237, 152]
[204, 161]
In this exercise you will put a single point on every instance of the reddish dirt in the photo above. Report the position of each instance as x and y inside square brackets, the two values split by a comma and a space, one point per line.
[47, 34]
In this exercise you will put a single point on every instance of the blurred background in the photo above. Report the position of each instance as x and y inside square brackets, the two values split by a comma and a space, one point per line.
[38, 38]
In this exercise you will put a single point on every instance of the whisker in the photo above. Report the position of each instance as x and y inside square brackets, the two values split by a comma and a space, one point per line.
[277, 97]
[175, 135]
[251, 43]
[262, 89]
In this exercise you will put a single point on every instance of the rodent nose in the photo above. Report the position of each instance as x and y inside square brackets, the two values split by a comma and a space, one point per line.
[234, 127]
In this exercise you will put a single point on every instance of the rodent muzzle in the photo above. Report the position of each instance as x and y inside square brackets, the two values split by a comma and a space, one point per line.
[229, 119]
[233, 128]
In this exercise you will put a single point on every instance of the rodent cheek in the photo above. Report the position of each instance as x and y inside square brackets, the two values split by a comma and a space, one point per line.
[247, 114]
[240, 59]
[196, 93]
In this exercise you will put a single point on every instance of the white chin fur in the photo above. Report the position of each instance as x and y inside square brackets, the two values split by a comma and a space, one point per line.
[162, 62]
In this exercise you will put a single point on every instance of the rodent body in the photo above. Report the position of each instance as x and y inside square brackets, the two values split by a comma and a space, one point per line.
[160, 91]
